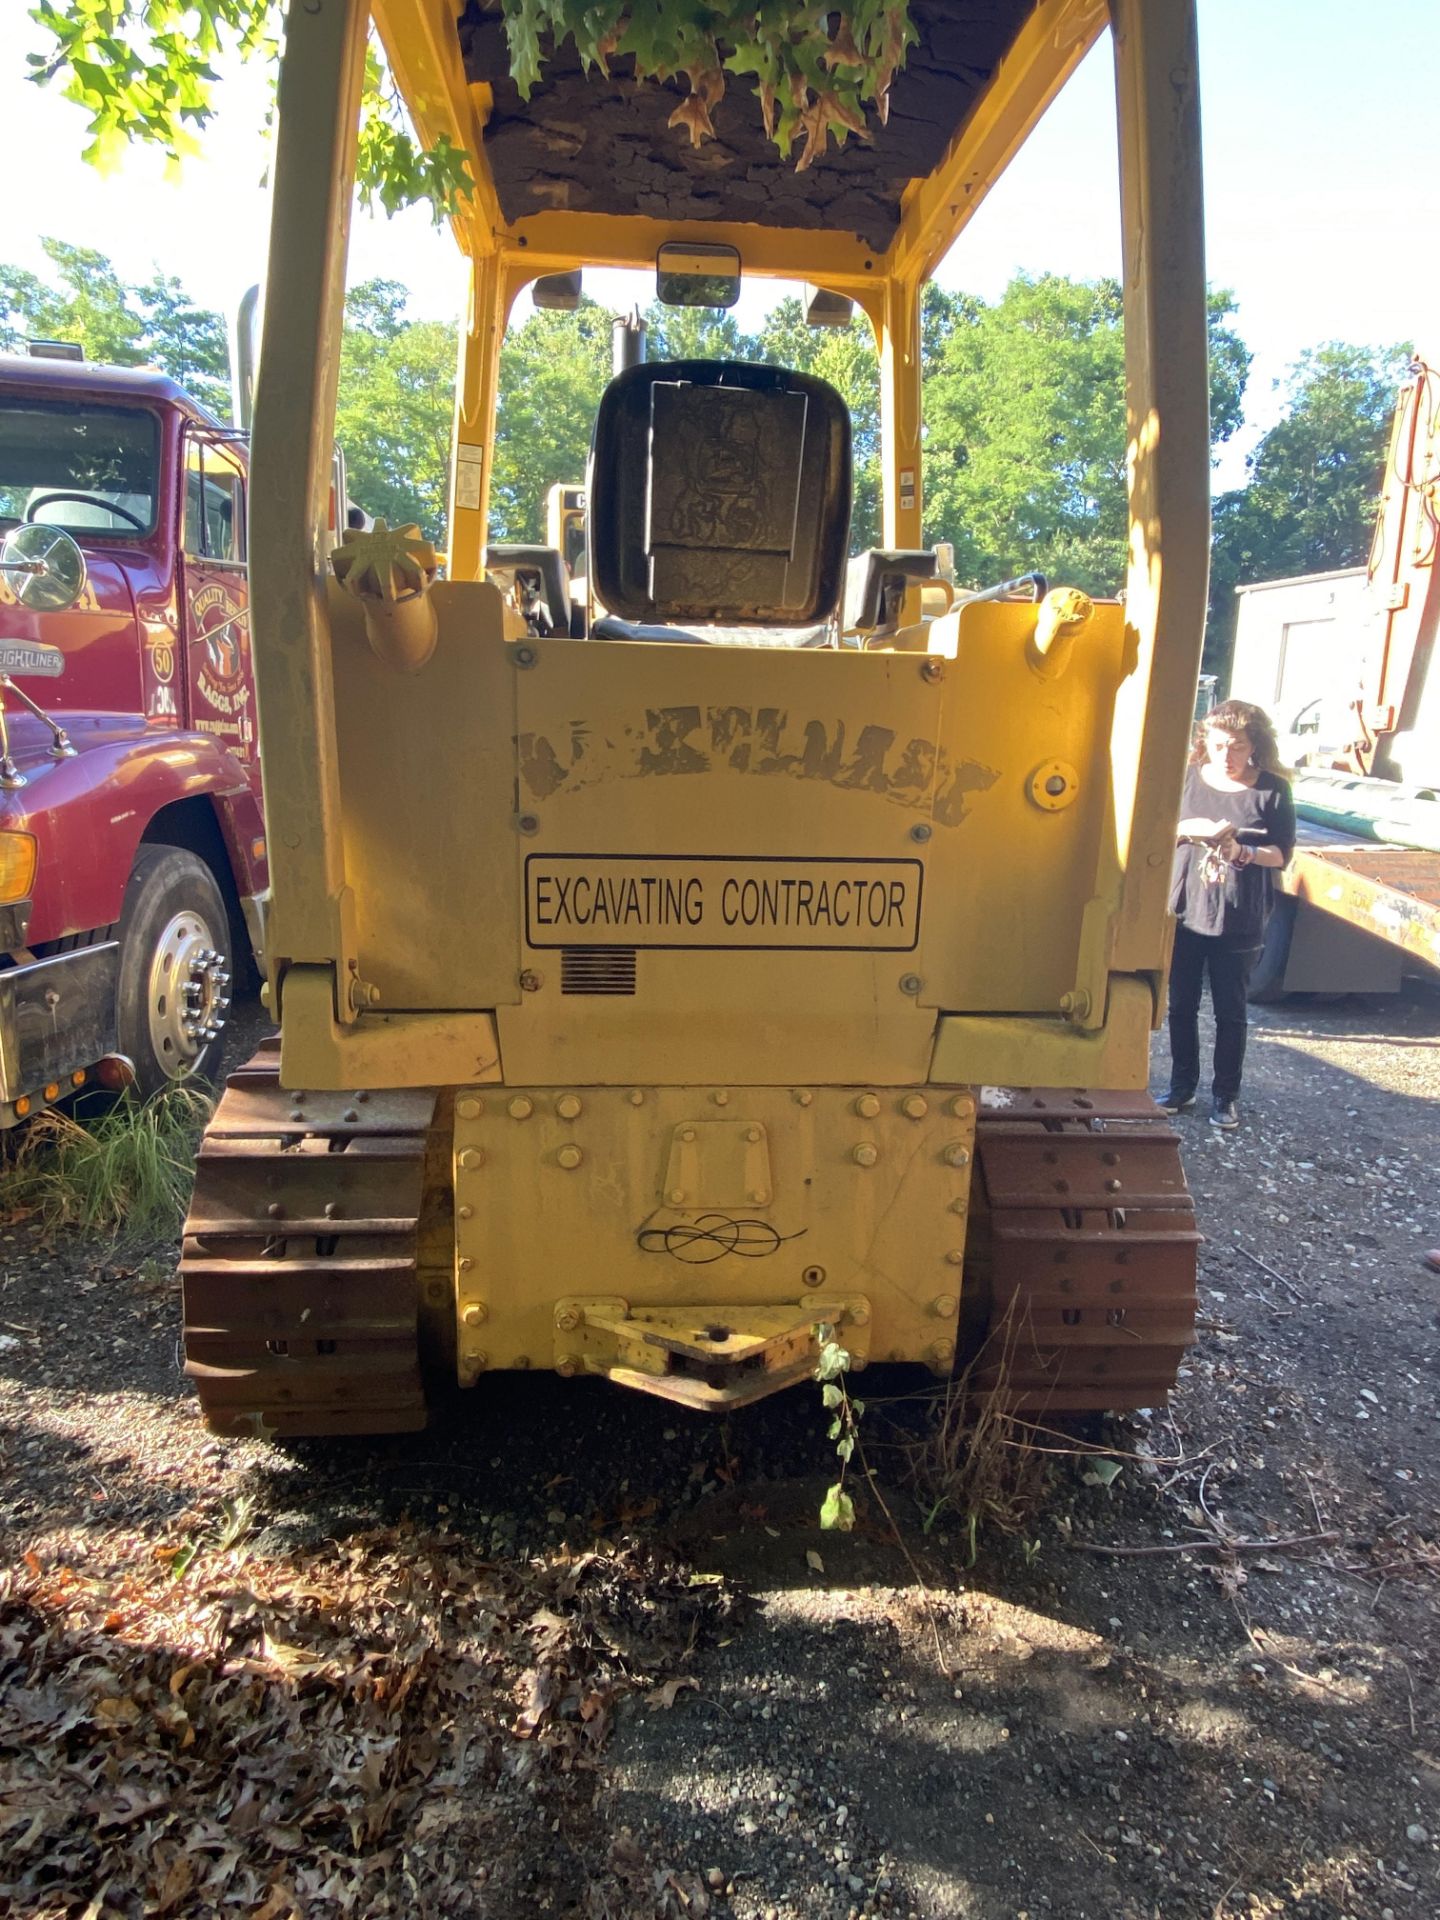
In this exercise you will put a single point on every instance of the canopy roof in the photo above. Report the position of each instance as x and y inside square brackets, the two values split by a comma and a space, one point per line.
[592, 157]
[590, 144]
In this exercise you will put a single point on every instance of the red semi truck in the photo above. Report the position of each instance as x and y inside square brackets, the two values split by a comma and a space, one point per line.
[132, 844]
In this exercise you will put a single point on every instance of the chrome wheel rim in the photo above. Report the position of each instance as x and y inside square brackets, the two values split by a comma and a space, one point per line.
[187, 993]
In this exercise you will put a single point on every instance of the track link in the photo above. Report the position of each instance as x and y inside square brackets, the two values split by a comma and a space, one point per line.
[299, 1265]
[1081, 1262]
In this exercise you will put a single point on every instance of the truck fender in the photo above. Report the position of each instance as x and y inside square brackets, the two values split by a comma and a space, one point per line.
[90, 815]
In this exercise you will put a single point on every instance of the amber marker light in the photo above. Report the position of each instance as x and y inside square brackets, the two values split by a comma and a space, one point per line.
[22, 1106]
[257, 849]
[77, 1078]
[17, 866]
[52, 1092]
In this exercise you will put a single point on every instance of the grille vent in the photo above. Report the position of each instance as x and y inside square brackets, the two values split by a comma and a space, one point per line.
[597, 970]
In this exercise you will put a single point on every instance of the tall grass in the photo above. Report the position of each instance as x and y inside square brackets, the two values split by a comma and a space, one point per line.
[976, 1463]
[127, 1173]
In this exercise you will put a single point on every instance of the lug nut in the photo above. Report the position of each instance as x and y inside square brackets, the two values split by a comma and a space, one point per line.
[957, 1156]
[567, 1366]
[945, 1306]
[520, 1108]
[865, 1155]
[915, 1106]
[570, 1157]
[567, 1320]
[867, 1106]
[471, 1157]
[568, 1106]
[476, 1313]
[467, 1109]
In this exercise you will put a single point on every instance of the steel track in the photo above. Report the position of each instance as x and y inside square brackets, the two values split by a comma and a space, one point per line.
[1081, 1260]
[299, 1267]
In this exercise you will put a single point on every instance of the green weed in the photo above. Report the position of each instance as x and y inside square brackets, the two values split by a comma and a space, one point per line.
[127, 1173]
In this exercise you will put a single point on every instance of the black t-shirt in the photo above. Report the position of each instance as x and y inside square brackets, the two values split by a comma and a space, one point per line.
[1235, 907]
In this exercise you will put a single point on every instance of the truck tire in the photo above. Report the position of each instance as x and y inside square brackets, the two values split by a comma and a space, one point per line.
[174, 983]
[1267, 982]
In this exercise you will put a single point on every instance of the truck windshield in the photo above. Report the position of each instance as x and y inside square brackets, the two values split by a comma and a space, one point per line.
[86, 468]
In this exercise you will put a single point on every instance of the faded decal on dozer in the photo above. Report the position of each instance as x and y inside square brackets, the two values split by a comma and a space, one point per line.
[763, 741]
[713, 900]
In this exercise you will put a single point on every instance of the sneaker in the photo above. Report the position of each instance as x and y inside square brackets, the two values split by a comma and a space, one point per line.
[1224, 1113]
[1175, 1100]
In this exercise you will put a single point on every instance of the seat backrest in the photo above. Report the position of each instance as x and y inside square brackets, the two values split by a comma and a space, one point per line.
[719, 494]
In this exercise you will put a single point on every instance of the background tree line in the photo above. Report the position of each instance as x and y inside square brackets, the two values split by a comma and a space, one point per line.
[1024, 452]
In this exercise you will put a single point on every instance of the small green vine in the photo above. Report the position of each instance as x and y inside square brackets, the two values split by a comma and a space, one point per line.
[818, 69]
[837, 1510]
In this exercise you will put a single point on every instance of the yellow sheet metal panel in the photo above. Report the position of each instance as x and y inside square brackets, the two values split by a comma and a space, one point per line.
[377, 1049]
[1168, 459]
[1012, 864]
[899, 349]
[994, 1051]
[755, 825]
[648, 1196]
[427, 771]
[291, 452]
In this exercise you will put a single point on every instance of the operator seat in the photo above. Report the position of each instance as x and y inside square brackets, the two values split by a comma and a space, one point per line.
[719, 504]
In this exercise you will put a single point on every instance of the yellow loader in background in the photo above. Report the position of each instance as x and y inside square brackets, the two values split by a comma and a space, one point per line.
[737, 954]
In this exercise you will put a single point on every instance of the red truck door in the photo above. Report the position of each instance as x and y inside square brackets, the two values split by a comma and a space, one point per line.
[220, 684]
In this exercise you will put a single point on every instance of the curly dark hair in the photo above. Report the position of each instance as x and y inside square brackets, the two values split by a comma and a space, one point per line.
[1239, 716]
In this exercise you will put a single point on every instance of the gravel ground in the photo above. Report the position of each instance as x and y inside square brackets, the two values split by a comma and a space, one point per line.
[1205, 1688]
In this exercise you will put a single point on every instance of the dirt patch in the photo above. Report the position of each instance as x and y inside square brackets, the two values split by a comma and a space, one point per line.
[1236, 1713]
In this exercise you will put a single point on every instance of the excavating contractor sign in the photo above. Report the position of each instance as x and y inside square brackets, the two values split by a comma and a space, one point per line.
[671, 900]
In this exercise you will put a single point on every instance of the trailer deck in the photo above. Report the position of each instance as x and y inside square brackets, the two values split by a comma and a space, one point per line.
[1389, 891]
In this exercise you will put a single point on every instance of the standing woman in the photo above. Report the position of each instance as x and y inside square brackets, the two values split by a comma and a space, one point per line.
[1237, 829]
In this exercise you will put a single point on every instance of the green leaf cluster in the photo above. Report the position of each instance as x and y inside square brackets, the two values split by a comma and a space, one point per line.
[817, 69]
[837, 1510]
[143, 70]
[397, 375]
[1314, 481]
[152, 324]
[394, 412]
[1025, 432]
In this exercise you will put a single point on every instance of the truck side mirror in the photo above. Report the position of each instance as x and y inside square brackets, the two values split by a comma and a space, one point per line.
[45, 568]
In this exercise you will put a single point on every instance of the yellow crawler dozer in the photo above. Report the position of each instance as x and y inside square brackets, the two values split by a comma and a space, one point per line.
[663, 974]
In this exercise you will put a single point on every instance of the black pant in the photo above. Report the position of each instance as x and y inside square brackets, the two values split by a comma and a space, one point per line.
[1229, 969]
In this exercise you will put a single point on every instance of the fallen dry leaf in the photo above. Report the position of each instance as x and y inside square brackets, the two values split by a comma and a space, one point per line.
[665, 1694]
